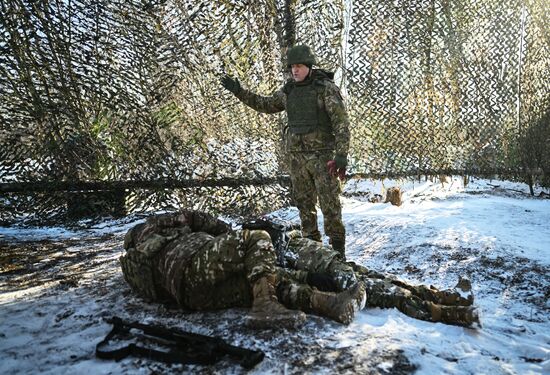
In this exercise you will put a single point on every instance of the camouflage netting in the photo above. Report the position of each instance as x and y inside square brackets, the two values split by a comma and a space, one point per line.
[125, 96]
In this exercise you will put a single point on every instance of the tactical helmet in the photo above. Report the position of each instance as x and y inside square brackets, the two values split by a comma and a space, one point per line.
[300, 54]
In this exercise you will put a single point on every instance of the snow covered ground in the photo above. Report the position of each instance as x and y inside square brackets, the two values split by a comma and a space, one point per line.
[57, 287]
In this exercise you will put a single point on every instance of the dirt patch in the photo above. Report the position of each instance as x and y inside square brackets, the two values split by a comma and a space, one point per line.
[85, 287]
[34, 263]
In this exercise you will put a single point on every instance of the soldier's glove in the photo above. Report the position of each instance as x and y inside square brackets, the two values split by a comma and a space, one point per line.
[337, 167]
[231, 84]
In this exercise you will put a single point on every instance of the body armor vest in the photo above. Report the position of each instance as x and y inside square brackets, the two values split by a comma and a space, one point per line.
[304, 114]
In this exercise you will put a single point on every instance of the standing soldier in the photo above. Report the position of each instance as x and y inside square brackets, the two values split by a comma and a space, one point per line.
[316, 140]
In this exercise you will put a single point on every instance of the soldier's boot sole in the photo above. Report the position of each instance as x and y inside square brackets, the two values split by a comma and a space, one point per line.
[290, 319]
[267, 311]
[467, 316]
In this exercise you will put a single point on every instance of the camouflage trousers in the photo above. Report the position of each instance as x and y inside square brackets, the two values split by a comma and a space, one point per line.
[311, 182]
[308, 256]
[221, 273]
[312, 256]
[416, 301]
[382, 293]
[413, 300]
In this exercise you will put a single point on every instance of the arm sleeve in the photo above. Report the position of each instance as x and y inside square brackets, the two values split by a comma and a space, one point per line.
[339, 119]
[266, 104]
[130, 238]
[204, 222]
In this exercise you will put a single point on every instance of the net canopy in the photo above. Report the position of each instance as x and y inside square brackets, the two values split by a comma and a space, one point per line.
[107, 92]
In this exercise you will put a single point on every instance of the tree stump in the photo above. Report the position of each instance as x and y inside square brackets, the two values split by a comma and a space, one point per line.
[394, 196]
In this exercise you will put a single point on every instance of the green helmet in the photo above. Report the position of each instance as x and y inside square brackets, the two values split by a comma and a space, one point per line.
[300, 54]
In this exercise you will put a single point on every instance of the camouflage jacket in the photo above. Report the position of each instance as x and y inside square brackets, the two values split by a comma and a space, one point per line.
[171, 241]
[329, 100]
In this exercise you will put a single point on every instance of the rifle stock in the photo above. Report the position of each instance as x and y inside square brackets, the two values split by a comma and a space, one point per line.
[186, 347]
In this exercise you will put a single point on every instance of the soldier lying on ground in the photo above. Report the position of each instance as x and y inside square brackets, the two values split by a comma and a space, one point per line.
[453, 306]
[197, 261]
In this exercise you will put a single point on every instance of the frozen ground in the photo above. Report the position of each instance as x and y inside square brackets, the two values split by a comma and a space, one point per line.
[57, 286]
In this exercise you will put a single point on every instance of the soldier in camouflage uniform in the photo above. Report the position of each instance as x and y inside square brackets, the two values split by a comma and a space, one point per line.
[198, 262]
[316, 140]
[195, 260]
[452, 306]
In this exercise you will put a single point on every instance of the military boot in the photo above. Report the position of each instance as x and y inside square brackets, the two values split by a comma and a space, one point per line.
[460, 295]
[340, 247]
[267, 311]
[340, 307]
[458, 315]
[464, 289]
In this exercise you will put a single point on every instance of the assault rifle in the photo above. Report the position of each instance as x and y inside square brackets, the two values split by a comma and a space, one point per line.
[277, 232]
[185, 347]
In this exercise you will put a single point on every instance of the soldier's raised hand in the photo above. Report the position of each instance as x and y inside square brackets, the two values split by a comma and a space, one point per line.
[230, 84]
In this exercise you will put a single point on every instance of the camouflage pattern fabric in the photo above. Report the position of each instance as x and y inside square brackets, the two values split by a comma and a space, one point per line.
[193, 259]
[330, 101]
[170, 258]
[432, 294]
[305, 110]
[313, 256]
[307, 155]
[413, 301]
[384, 294]
[311, 181]
[222, 272]
[295, 296]
[144, 243]
[416, 301]
[449, 297]
[139, 271]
